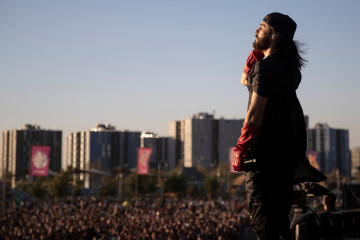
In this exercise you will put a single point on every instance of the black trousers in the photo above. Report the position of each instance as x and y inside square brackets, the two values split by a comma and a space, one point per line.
[270, 199]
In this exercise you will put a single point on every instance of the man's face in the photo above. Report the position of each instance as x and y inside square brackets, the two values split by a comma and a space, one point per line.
[262, 36]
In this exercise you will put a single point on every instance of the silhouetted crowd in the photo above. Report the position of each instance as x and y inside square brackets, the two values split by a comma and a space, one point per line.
[140, 219]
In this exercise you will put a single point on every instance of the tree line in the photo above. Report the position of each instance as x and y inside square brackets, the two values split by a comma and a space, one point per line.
[119, 185]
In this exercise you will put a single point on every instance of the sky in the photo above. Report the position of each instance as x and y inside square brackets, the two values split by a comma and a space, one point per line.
[69, 65]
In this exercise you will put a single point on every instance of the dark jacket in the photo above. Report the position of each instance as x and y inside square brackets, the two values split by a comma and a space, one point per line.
[283, 136]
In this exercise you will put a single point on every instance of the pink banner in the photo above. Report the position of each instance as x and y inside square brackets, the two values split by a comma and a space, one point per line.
[312, 156]
[143, 160]
[40, 160]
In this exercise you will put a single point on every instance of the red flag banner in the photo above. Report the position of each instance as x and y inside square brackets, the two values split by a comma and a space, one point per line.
[143, 160]
[312, 156]
[40, 160]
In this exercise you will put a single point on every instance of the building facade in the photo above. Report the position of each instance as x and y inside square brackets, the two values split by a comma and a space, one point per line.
[202, 140]
[355, 163]
[16, 147]
[332, 148]
[100, 151]
[161, 148]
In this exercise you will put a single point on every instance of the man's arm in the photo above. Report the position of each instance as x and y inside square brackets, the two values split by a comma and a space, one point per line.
[250, 130]
[243, 79]
[256, 110]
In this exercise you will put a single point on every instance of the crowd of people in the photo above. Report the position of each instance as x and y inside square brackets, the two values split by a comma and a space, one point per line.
[138, 219]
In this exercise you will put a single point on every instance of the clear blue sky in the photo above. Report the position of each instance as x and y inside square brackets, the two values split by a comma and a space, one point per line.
[68, 65]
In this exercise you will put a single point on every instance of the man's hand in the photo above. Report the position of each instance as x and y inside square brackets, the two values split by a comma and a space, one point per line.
[253, 57]
[246, 139]
[238, 164]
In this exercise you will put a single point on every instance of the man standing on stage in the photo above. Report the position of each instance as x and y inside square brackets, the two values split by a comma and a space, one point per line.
[273, 137]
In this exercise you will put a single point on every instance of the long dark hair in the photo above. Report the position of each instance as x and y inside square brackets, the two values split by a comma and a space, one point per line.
[292, 51]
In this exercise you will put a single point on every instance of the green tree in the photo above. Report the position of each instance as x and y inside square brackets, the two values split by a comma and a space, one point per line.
[8, 176]
[23, 186]
[148, 183]
[109, 187]
[211, 186]
[39, 187]
[223, 177]
[61, 183]
[130, 185]
[175, 183]
[76, 190]
[204, 170]
[8, 192]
